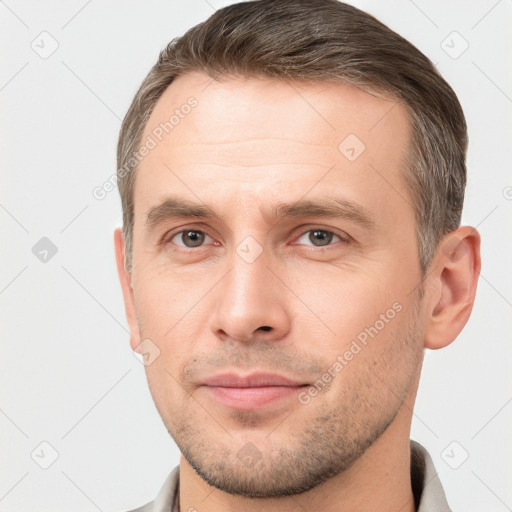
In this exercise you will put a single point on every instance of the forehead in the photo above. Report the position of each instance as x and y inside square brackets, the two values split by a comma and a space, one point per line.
[306, 112]
[263, 134]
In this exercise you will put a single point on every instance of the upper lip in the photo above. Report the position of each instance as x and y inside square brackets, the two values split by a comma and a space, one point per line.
[232, 380]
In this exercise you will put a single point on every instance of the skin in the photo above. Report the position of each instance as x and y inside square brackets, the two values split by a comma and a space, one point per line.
[247, 145]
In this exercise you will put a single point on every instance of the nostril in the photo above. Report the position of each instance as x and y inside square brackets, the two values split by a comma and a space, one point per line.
[265, 328]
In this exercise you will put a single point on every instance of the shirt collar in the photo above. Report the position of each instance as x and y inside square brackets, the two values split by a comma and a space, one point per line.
[427, 489]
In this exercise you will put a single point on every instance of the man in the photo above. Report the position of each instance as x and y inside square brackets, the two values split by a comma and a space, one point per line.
[292, 177]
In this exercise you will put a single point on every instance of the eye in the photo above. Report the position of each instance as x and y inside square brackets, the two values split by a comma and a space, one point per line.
[189, 238]
[319, 237]
[192, 238]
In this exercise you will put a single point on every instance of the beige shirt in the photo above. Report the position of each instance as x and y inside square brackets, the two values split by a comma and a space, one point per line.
[427, 489]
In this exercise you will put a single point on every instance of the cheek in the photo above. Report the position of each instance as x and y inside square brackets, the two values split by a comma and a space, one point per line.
[162, 300]
[373, 369]
[167, 394]
[346, 304]
[371, 346]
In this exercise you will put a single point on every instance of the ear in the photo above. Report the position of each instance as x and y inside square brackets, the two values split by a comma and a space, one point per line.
[452, 279]
[126, 285]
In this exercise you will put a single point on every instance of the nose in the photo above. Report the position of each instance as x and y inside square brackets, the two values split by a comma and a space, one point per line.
[251, 303]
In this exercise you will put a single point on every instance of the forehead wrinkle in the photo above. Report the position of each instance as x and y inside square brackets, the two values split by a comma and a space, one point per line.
[251, 153]
[250, 140]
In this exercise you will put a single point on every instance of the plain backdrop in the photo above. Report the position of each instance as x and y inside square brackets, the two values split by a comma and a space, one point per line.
[73, 396]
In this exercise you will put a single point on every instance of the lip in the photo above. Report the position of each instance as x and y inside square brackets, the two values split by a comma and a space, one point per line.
[253, 380]
[254, 391]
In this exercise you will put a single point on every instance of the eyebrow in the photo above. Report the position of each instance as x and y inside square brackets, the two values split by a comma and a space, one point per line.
[337, 208]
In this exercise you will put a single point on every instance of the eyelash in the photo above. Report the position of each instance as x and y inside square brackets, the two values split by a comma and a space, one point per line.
[344, 238]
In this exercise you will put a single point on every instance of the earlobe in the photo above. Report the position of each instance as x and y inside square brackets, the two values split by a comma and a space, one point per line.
[452, 281]
[125, 279]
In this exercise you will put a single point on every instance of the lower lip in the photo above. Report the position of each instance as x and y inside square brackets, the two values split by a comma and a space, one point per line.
[251, 398]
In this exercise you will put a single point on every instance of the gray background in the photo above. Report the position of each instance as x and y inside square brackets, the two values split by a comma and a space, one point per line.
[68, 375]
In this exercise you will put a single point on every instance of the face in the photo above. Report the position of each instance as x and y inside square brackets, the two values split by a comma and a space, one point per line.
[273, 235]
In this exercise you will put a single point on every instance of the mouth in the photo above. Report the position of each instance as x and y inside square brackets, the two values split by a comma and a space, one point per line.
[254, 391]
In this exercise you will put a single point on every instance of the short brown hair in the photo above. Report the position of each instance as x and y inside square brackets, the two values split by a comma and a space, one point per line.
[321, 40]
